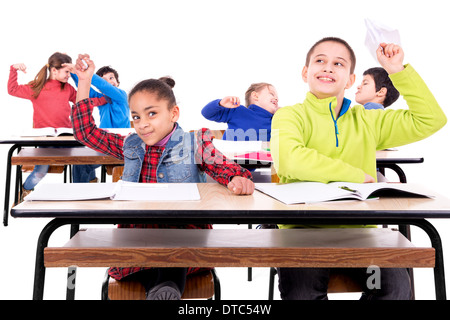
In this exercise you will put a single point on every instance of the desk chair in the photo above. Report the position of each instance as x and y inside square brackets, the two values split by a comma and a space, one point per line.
[338, 283]
[201, 285]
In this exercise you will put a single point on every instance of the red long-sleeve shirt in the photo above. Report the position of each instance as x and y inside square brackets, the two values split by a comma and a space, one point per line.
[51, 108]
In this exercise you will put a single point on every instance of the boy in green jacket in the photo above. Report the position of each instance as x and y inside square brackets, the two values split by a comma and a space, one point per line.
[324, 140]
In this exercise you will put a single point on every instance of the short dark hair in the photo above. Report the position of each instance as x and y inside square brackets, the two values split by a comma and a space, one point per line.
[382, 80]
[107, 69]
[162, 87]
[338, 40]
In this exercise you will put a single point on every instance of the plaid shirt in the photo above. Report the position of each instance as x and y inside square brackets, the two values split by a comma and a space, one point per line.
[208, 158]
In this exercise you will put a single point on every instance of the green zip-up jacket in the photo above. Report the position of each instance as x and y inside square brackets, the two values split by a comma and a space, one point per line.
[309, 143]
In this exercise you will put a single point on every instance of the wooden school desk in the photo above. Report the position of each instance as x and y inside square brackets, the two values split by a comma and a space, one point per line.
[17, 143]
[46, 156]
[219, 206]
[391, 158]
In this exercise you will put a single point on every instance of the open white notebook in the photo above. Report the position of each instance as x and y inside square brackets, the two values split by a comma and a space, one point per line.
[115, 191]
[310, 192]
[47, 132]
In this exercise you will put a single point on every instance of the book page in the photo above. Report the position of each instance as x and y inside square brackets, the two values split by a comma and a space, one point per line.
[64, 131]
[71, 191]
[39, 132]
[156, 191]
[47, 132]
[116, 191]
[304, 192]
[367, 190]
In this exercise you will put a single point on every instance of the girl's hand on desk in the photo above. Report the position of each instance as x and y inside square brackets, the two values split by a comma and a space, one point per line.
[241, 185]
[230, 102]
[20, 67]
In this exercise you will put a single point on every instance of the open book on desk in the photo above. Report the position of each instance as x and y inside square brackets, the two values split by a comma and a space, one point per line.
[244, 150]
[311, 192]
[47, 132]
[116, 191]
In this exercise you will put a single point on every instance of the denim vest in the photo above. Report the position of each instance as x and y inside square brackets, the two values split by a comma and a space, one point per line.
[177, 162]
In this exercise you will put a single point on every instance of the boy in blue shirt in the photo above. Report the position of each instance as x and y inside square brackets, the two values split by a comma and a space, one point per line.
[250, 122]
[376, 90]
[114, 114]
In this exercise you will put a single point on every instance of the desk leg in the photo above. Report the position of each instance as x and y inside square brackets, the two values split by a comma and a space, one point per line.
[39, 271]
[401, 174]
[72, 271]
[436, 243]
[8, 184]
[103, 174]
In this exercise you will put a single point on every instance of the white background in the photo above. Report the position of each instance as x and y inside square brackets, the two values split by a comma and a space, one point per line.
[212, 49]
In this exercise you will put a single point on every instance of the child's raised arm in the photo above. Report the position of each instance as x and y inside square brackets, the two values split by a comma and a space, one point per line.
[84, 71]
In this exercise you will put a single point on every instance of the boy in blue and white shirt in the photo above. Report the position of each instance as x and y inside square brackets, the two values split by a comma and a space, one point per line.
[376, 90]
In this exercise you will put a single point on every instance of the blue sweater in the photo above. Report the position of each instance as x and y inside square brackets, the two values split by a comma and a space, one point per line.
[252, 123]
[115, 113]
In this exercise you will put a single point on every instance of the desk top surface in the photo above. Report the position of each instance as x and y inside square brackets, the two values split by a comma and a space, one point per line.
[81, 155]
[397, 156]
[219, 204]
[28, 141]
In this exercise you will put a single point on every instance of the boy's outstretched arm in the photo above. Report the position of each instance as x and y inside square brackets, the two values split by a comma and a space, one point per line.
[423, 117]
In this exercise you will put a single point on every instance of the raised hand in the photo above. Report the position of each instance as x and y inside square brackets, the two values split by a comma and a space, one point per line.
[84, 67]
[230, 102]
[20, 67]
[390, 57]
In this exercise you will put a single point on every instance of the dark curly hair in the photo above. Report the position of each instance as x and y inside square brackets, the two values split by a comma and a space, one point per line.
[107, 69]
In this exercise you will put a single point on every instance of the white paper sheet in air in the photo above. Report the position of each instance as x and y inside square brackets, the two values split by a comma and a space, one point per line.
[378, 33]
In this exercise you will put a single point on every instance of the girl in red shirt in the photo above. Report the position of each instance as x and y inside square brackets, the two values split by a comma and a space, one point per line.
[50, 95]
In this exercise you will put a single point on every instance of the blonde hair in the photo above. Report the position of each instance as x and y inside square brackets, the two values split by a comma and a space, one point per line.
[56, 60]
[254, 87]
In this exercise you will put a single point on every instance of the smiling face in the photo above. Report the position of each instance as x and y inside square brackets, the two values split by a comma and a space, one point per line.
[328, 72]
[266, 98]
[111, 78]
[153, 120]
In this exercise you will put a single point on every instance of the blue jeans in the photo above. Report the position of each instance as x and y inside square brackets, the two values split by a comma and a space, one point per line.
[312, 283]
[84, 172]
[35, 177]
